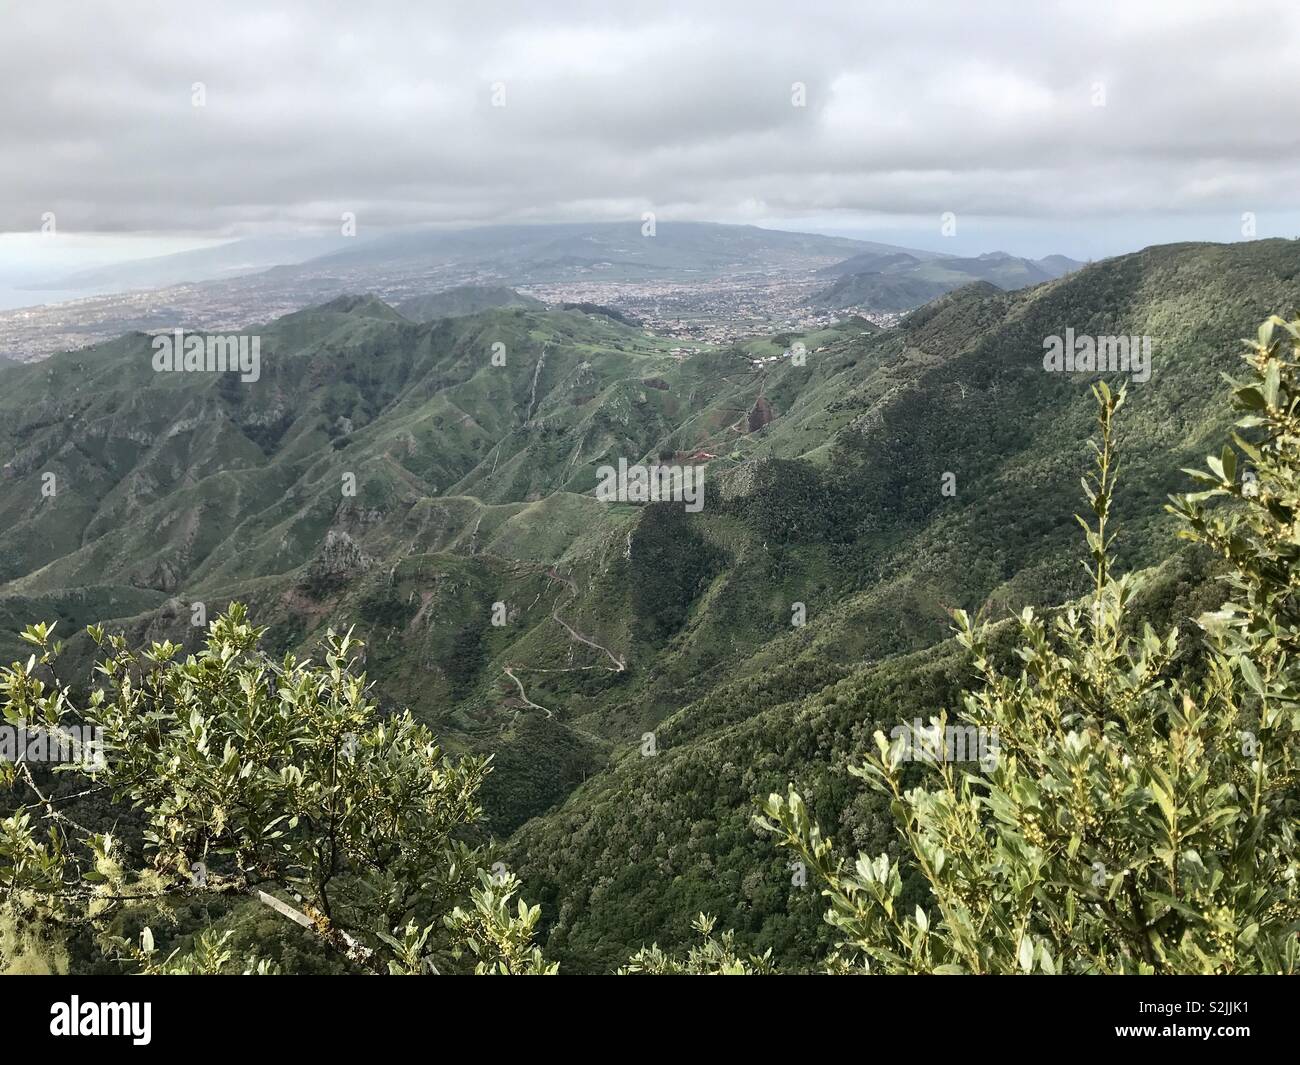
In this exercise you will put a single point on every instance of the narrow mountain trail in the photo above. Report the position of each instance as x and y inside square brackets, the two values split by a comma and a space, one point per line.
[509, 672]
[532, 398]
[568, 582]
[572, 585]
[619, 664]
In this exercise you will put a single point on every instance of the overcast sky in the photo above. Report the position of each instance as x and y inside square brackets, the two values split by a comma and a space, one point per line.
[1084, 128]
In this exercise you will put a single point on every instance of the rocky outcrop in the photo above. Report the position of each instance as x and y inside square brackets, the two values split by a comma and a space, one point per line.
[760, 415]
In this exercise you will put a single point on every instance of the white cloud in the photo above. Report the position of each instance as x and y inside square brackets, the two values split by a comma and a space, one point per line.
[385, 109]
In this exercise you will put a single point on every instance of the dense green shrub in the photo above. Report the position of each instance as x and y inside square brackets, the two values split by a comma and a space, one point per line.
[255, 776]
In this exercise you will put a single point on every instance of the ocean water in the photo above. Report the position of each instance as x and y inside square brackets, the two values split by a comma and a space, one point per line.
[16, 297]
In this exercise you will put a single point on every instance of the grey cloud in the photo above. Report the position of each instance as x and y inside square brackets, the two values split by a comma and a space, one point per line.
[384, 109]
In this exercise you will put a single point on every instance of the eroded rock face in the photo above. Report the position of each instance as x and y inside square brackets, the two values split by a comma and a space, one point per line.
[341, 553]
[339, 559]
[761, 414]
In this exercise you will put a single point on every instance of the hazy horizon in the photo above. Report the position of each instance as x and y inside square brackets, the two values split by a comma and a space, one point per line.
[31, 267]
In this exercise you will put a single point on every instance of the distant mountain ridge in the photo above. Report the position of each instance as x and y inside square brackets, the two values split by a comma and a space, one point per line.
[403, 265]
[465, 299]
[241, 290]
[231, 259]
[521, 253]
[900, 282]
[606, 250]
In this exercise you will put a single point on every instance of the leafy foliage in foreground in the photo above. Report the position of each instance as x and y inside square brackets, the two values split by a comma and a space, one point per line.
[715, 956]
[1139, 817]
[279, 778]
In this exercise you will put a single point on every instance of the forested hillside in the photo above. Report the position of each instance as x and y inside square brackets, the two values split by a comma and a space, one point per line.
[639, 672]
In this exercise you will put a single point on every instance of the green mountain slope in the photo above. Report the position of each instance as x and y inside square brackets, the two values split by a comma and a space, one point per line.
[432, 484]
[465, 299]
[959, 387]
[902, 282]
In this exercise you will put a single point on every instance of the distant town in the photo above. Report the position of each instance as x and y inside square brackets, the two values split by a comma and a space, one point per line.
[706, 311]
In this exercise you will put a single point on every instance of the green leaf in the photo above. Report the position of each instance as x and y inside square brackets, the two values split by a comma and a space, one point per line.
[1250, 675]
